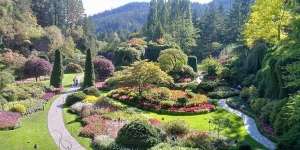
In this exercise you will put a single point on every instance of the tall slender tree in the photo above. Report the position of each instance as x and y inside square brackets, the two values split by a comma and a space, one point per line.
[57, 72]
[89, 73]
[237, 17]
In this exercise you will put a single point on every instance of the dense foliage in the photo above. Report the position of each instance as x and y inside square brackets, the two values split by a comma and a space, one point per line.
[171, 59]
[138, 135]
[171, 20]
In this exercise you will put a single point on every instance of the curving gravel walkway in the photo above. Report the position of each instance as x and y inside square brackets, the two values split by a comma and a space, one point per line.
[250, 126]
[56, 126]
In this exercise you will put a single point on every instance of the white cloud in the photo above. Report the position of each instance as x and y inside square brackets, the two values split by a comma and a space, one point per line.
[96, 6]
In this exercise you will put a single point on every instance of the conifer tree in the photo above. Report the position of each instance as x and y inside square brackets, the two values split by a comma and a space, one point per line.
[89, 73]
[57, 72]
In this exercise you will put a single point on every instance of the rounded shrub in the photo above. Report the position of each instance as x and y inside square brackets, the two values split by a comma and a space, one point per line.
[74, 98]
[18, 108]
[176, 128]
[73, 68]
[208, 86]
[104, 68]
[138, 135]
[92, 91]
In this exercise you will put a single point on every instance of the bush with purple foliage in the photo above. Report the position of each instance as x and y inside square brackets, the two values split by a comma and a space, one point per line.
[37, 67]
[104, 68]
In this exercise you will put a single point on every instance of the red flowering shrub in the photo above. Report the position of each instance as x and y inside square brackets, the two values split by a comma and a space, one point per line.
[104, 68]
[37, 67]
[9, 120]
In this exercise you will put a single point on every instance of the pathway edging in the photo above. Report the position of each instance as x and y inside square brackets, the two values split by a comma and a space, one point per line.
[250, 126]
[56, 126]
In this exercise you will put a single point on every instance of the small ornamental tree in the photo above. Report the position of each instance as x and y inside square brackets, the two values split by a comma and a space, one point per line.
[142, 73]
[104, 68]
[37, 67]
[171, 59]
[89, 74]
[57, 72]
[212, 66]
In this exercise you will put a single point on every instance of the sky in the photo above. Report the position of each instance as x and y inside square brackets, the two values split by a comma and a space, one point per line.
[96, 6]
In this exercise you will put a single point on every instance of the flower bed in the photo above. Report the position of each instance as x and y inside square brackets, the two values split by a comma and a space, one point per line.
[97, 125]
[48, 96]
[164, 100]
[9, 120]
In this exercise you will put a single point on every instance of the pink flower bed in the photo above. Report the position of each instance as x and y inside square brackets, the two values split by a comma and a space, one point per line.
[97, 125]
[204, 107]
[101, 85]
[9, 120]
[48, 95]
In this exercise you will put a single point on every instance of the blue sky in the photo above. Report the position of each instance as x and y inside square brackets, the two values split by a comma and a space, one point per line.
[96, 6]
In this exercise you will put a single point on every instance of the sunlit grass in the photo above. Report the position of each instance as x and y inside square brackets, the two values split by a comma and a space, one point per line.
[33, 131]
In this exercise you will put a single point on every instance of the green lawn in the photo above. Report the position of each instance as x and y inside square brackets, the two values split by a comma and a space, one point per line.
[33, 131]
[201, 122]
[198, 122]
[67, 81]
[73, 126]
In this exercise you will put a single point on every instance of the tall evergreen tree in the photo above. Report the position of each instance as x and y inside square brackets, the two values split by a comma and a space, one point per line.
[57, 72]
[89, 73]
[236, 19]
[174, 18]
[63, 13]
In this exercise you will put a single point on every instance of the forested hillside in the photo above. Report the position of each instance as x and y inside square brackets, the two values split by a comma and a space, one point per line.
[122, 20]
[133, 16]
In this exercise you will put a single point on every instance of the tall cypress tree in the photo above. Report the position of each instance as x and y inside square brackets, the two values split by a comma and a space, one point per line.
[57, 72]
[89, 73]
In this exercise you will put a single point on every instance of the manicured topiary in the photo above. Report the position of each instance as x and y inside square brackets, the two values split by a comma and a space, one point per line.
[104, 68]
[57, 72]
[192, 61]
[74, 98]
[89, 74]
[138, 135]
[37, 67]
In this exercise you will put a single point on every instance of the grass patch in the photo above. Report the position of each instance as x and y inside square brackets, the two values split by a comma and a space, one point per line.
[67, 81]
[201, 123]
[33, 130]
[73, 125]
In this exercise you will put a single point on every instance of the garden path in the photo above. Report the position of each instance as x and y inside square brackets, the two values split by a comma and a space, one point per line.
[250, 126]
[56, 126]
